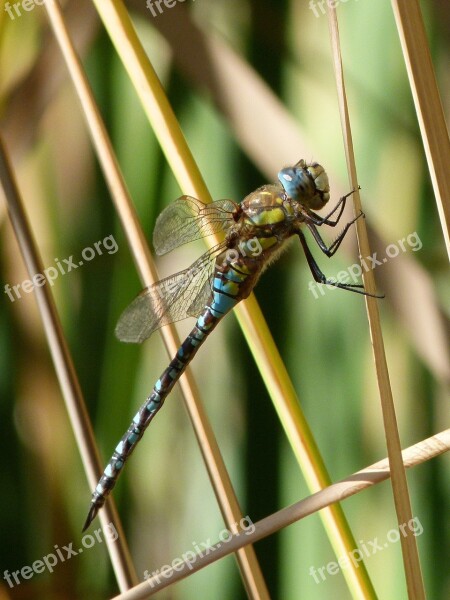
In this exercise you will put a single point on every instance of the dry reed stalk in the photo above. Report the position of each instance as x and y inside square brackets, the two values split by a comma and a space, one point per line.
[402, 501]
[427, 101]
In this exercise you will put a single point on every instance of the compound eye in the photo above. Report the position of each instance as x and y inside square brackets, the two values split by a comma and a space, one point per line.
[319, 200]
[322, 182]
[319, 176]
[285, 176]
[301, 187]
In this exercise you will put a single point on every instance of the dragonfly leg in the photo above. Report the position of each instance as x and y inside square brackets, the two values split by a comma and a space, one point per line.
[330, 250]
[321, 278]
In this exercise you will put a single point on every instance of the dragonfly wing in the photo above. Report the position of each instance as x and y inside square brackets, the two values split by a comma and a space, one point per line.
[188, 219]
[169, 300]
[202, 299]
[139, 319]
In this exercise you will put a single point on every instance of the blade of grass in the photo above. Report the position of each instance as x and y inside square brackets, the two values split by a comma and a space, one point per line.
[65, 370]
[353, 484]
[399, 483]
[220, 479]
[167, 130]
[430, 113]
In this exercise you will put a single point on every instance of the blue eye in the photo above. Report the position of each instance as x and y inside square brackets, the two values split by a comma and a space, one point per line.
[295, 182]
[306, 184]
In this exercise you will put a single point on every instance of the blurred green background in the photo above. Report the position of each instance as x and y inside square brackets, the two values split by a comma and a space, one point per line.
[164, 498]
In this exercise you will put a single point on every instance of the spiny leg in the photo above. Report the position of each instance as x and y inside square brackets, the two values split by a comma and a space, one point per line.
[320, 277]
[330, 250]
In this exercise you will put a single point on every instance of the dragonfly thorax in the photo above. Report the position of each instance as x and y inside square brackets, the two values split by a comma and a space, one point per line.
[306, 184]
[266, 209]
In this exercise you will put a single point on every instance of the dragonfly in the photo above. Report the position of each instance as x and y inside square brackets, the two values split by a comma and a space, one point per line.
[256, 232]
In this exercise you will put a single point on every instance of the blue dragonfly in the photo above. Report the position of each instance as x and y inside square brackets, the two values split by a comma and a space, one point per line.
[256, 230]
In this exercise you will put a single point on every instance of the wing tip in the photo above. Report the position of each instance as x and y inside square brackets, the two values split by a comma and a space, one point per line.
[127, 337]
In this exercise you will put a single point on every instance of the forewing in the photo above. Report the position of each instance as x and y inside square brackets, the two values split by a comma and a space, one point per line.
[171, 299]
[187, 219]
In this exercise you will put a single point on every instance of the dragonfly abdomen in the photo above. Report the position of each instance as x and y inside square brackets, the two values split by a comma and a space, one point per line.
[185, 353]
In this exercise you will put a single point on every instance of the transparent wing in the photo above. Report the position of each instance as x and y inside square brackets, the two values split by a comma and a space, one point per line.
[201, 300]
[188, 219]
[171, 299]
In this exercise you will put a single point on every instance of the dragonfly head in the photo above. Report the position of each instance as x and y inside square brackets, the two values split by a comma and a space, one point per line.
[306, 184]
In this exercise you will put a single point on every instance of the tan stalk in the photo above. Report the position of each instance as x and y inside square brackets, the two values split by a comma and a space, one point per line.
[427, 101]
[399, 483]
